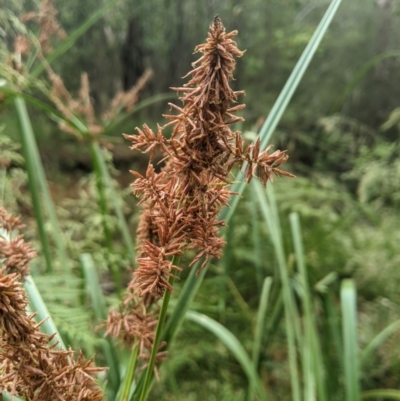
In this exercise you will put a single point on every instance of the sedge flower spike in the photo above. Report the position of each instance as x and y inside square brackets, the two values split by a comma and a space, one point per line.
[183, 201]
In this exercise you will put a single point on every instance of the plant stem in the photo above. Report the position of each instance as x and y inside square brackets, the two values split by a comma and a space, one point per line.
[157, 338]
[31, 167]
[100, 312]
[130, 372]
[37, 304]
[38, 184]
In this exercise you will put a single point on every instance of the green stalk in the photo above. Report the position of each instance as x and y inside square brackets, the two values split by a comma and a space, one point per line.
[186, 297]
[387, 394]
[261, 315]
[349, 316]
[226, 260]
[124, 396]
[34, 188]
[256, 241]
[378, 340]
[39, 182]
[333, 348]
[290, 311]
[157, 338]
[95, 294]
[276, 316]
[234, 345]
[313, 347]
[37, 304]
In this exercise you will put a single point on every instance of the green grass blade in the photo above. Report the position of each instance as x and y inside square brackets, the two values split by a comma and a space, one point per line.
[126, 388]
[95, 294]
[291, 318]
[276, 316]
[261, 315]
[72, 38]
[313, 347]
[226, 261]
[187, 294]
[378, 340]
[39, 178]
[332, 347]
[284, 98]
[148, 377]
[7, 397]
[93, 288]
[234, 345]
[388, 394]
[349, 319]
[297, 74]
[37, 305]
[174, 322]
[307, 347]
[30, 99]
[33, 180]
[106, 178]
[256, 241]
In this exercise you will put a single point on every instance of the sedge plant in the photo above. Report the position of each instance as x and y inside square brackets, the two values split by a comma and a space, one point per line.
[181, 215]
[182, 202]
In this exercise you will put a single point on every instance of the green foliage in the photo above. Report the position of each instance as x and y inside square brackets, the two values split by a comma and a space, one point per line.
[305, 344]
[63, 295]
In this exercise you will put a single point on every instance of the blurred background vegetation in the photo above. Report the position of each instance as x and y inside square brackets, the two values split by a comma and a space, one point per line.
[341, 130]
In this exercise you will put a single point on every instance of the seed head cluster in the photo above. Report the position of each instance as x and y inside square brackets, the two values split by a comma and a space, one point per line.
[31, 366]
[82, 106]
[48, 24]
[182, 201]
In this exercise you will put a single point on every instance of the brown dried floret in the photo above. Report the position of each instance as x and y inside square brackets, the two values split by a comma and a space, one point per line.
[49, 26]
[31, 367]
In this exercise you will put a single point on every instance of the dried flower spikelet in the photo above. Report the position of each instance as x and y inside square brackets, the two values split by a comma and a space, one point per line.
[184, 199]
[83, 105]
[22, 45]
[31, 367]
[135, 322]
[49, 26]
[15, 253]
[129, 98]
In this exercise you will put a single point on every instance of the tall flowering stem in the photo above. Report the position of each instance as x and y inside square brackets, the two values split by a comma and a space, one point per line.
[181, 203]
[157, 339]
